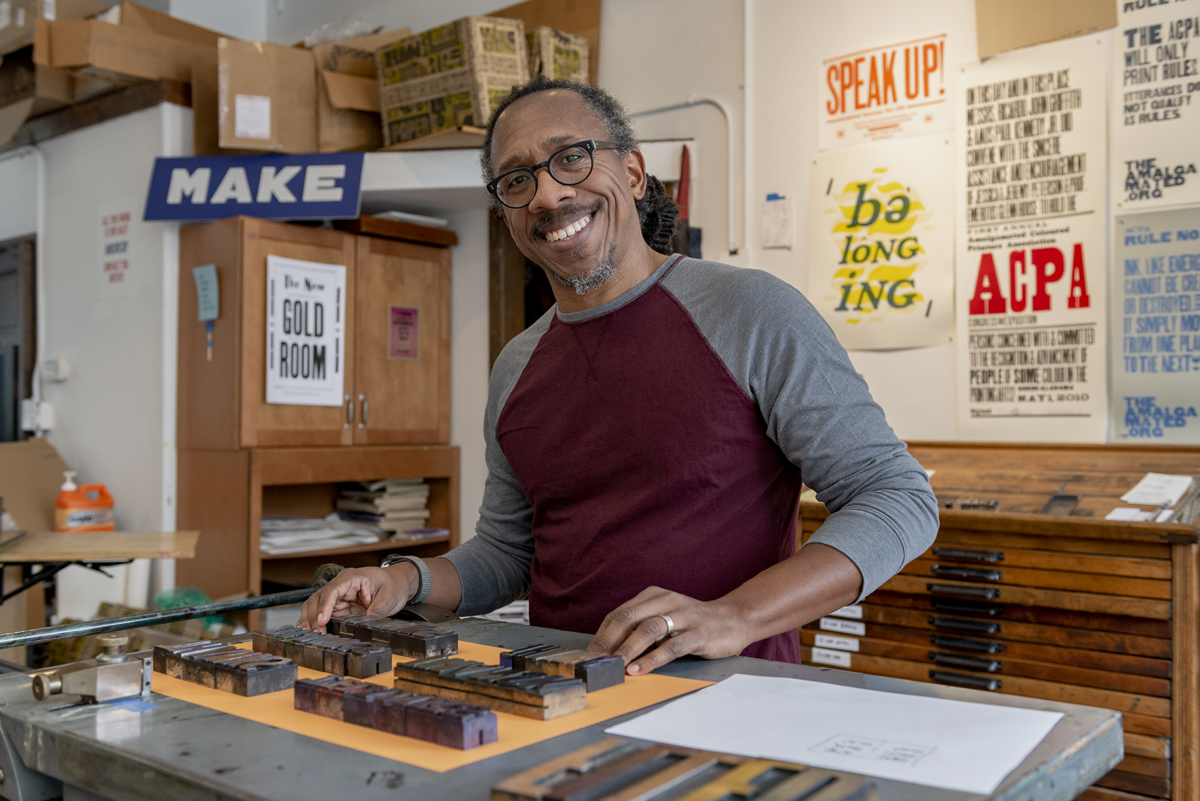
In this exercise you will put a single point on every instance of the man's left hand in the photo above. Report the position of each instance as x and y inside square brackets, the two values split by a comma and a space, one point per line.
[711, 629]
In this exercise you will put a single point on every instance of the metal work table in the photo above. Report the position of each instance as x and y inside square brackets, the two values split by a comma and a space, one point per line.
[189, 753]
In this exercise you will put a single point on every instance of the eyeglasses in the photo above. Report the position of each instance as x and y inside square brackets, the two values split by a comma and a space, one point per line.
[569, 166]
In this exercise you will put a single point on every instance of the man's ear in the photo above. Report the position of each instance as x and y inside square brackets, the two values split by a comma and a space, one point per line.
[635, 168]
[499, 212]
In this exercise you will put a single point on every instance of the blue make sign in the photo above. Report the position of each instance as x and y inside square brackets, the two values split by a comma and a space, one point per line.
[288, 187]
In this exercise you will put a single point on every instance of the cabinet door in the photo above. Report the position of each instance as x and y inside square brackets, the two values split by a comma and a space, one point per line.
[402, 361]
[285, 424]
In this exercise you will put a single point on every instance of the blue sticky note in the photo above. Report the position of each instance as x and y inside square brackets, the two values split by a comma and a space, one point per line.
[774, 196]
[207, 291]
[134, 705]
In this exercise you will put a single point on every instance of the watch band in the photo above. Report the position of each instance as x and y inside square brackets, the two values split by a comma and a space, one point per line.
[425, 579]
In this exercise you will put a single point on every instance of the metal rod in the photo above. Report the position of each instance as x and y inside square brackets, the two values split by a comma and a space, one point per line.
[85, 628]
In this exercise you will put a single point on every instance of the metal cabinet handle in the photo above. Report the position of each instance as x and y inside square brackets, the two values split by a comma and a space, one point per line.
[966, 644]
[981, 626]
[978, 573]
[349, 412]
[990, 593]
[977, 682]
[965, 607]
[968, 556]
[966, 662]
[363, 400]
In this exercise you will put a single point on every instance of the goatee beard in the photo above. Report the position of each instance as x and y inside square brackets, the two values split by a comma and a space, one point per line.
[591, 280]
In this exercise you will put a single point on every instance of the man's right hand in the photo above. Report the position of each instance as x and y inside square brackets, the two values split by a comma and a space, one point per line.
[377, 590]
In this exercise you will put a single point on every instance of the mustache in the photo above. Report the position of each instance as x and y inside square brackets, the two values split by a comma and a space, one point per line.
[552, 221]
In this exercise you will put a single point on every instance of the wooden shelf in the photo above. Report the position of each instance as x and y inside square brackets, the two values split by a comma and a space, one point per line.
[386, 545]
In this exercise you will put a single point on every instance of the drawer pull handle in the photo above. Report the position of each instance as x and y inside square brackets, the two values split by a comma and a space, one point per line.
[990, 593]
[981, 626]
[966, 644]
[363, 400]
[975, 682]
[977, 573]
[966, 662]
[968, 556]
[966, 607]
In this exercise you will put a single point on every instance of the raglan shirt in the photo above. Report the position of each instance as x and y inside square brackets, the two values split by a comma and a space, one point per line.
[660, 439]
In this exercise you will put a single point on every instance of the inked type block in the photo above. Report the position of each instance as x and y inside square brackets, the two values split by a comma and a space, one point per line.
[619, 769]
[405, 638]
[596, 670]
[436, 720]
[341, 656]
[223, 667]
[520, 692]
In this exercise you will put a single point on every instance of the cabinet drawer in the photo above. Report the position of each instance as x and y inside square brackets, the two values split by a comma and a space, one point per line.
[991, 637]
[993, 555]
[1000, 573]
[948, 653]
[1029, 596]
[1152, 716]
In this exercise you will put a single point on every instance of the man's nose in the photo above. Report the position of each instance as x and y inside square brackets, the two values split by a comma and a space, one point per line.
[550, 193]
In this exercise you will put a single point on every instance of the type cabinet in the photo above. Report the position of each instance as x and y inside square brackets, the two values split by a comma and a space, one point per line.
[1070, 608]
[396, 352]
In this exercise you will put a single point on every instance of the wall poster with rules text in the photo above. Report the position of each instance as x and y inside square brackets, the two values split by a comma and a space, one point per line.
[1032, 245]
[306, 340]
[881, 243]
[1156, 327]
[1156, 104]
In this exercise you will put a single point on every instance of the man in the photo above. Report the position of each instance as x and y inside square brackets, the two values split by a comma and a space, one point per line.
[646, 438]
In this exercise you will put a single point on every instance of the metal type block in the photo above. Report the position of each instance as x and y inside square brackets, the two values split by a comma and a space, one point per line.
[334, 656]
[258, 675]
[308, 691]
[331, 702]
[359, 708]
[451, 723]
[391, 714]
[365, 660]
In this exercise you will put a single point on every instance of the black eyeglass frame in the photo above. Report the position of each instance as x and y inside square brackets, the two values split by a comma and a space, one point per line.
[590, 145]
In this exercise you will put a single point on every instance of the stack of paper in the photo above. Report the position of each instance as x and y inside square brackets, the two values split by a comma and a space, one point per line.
[281, 534]
[394, 504]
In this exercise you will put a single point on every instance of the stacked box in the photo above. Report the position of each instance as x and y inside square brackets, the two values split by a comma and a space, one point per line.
[558, 55]
[449, 76]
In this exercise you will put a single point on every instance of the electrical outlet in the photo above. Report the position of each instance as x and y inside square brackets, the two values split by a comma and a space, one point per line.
[56, 370]
[29, 415]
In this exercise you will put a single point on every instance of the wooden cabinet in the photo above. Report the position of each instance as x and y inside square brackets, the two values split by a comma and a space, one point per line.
[395, 392]
[1067, 608]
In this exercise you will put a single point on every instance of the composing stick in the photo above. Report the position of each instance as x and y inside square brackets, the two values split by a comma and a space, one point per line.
[405, 638]
[341, 656]
[225, 668]
[424, 717]
[597, 670]
[527, 693]
[619, 769]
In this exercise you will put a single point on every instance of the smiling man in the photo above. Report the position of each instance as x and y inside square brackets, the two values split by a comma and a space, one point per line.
[647, 437]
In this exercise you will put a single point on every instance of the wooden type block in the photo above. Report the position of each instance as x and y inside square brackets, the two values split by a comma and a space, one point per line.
[331, 700]
[617, 769]
[511, 658]
[334, 656]
[359, 708]
[198, 667]
[391, 714]
[294, 648]
[405, 638]
[273, 641]
[450, 723]
[365, 660]
[261, 674]
[308, 691]
[174, 657]
[596, 670]
[519, 692]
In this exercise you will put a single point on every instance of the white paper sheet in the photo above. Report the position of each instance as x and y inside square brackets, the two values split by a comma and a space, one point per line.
[1129, 513]
[930, 741]
[1156, 489]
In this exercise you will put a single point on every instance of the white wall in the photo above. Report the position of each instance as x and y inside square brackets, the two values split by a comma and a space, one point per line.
[18, 194]
[241, 19]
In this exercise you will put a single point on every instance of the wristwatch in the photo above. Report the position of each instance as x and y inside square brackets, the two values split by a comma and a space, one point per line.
[425, 580]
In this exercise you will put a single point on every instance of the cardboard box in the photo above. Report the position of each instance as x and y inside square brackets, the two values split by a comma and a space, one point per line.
[18, 18]
[28, 89]
[558, 55]
[267, 97]
[449, 76]
[579, 17]
[1003, 25]
[348, 92]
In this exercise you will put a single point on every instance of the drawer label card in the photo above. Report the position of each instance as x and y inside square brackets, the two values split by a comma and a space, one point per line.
[821, 656]
[843, 626]
[852, 612]
[402, 333]
[839, 643]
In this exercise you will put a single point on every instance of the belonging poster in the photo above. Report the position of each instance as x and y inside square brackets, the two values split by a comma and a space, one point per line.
[1156, 327]
[306, 313]
[881, 243]
[884, 93]
[1156, 104]
[116, 247]
[1031, 245]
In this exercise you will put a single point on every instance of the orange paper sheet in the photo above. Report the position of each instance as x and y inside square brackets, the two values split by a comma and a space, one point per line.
[276, 709]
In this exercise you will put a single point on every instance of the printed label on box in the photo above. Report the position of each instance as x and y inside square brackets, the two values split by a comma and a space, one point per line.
[820, 656]
[49, 9]
[843, 626]
[5, 13]
[853, 612]
[252, 117]
[403, 333]
[840, 643]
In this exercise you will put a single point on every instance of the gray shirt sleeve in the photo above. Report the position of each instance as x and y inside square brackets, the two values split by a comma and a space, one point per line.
[818, 410]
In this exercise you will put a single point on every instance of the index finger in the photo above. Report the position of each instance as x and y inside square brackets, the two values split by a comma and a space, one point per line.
[346, 587]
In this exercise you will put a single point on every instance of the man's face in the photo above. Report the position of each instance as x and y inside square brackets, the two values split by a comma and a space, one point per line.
[547, 230]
